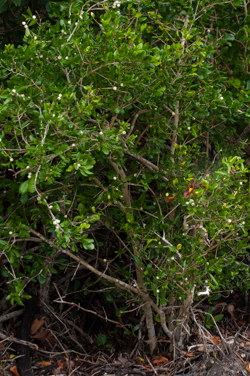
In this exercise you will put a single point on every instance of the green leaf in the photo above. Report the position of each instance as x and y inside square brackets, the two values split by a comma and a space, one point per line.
[24, 198]
[109, 298]
[127, 332]
[213, 279]
[101, 339]
[24, 187]
[89, 246]
[105, 149]
[229, 37]
[31, 187]
[237, 2]
[41, 279]
[216, 296]
[137, 327]
[218, 317]
[27, 32]
[137, 260]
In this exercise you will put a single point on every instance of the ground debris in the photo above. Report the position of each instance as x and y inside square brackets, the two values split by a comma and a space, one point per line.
[229, 365]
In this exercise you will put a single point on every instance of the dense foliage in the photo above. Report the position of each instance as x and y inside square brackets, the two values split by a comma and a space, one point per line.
[130, 117]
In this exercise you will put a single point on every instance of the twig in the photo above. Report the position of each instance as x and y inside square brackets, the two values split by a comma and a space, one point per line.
[20, 341]
[11, 315]
[237, 335]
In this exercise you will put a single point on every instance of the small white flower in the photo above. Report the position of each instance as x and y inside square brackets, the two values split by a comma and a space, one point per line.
[108, 197]
[59, 57]
[50, 206]
[25, 26]
[78, 166]
[27, 167]
[172, 258]
[187, 203]
[188, 128]
[81, 132]
[73, 145]
[53, 115]
[157, 291]
[221, 98]
[0, 140]
[241, 183]
[34, 17]
[76, 23]
[155, 108]
[65, 216]
[208, 30]
[29, 175]
[242, 223]
[35, 38]
[57, 220]
[11, 159]
[157, 277]
[114, 177]
[193, 118]
[173, 113]
[123, 132]
[192, 203]
[23, 23]
[229, 220]
[10, 232]
[121, 84]
[116, 189]
[13, 91]
[114, 88]
[69, 22]
[100, 133]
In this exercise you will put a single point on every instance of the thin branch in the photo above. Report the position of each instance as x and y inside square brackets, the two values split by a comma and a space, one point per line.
[147, 163]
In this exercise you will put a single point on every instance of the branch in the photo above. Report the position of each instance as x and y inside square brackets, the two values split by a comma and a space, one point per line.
[147, 163]
[134, 121]
[110, 279]
[121, 173]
